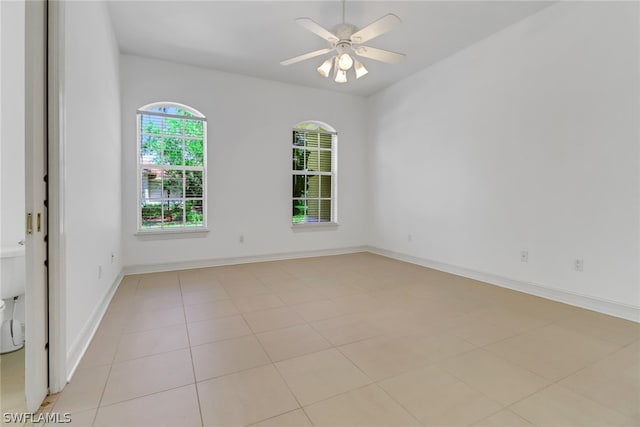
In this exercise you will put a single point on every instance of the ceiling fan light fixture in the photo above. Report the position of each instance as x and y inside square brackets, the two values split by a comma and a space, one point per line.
[360, 69]
[325, 68]
[345, 62]
[346, 43]
[341, 76]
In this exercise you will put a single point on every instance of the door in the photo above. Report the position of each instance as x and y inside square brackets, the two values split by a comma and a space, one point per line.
[36, 335]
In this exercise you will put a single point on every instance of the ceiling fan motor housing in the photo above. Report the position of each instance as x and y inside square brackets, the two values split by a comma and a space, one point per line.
[344, 31]
[347, 40]
[343, 46]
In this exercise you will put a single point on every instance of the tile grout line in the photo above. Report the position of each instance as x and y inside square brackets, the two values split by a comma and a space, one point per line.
[375, 383]
[310, 324]
[104, 388]
[193, 367]
[254, 334]
[284, 380]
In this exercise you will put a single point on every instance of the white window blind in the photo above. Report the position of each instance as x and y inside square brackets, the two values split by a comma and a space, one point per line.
[314, 174]
[171, 168]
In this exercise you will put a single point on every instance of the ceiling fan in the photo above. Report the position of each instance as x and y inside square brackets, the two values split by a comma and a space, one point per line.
[347, 40]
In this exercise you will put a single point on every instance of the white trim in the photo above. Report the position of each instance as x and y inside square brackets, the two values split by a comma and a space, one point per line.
[140, 166]
[327, 132]
[35, 138]
[56, 212]
[81, 343]
[148, 107]
[600, 305]
[327, 128]
[313, 225]
[334, 178]
[308, 172]
[171, 230]
[138, 207]
[175, 116]
[168, 167]
[333, 173]
[217, 262]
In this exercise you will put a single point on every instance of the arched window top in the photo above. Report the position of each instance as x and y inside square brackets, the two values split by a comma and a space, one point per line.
[171, 108]
[314, 125]
[172, 168]
[314, 173]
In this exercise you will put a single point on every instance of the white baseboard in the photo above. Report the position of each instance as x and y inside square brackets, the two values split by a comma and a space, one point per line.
[604, 306]
[217, 262]
[611, 308]
[81, 344]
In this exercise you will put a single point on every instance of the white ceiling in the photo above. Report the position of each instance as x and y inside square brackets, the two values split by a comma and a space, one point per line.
[252, 37]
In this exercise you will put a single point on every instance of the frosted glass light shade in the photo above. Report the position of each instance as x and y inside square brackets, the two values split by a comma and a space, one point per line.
[341, 76]
[360, 69]
[325, 68]
[345, 62]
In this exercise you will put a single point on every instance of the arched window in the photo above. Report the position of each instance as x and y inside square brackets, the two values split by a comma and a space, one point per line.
[172, 161]
[314, 173]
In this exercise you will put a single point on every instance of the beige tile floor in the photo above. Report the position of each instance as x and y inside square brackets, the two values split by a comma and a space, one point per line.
[12, 383]
[351, 340]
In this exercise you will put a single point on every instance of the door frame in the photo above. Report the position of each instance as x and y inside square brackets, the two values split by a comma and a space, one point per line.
[36, 164]
[58, 371]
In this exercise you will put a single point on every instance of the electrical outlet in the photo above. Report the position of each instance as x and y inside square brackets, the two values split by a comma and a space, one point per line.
[578, 264]
[524, 256]
[241, 238]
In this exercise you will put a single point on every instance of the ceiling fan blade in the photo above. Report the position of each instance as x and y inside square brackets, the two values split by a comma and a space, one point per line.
[379, 54]
[305, 56]
[317, 29]
[375, 29]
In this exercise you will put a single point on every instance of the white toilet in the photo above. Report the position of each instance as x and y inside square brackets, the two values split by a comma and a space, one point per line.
[12, 287]
[1, 312]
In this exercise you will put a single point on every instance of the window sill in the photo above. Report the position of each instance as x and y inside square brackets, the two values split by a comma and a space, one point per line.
[174, 233]
[310, 226]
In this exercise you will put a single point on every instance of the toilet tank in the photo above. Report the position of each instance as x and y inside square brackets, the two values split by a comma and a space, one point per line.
[12, 271]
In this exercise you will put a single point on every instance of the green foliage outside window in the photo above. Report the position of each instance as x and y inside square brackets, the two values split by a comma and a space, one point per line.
[312, 174]
[172, 167]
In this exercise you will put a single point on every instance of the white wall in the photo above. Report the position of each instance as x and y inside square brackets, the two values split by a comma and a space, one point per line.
[249, 162]
[92, 167]
[12, 144]
[527, 140]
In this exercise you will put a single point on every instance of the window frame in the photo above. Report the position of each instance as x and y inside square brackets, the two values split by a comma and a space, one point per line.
[140, 166]
[312, 126]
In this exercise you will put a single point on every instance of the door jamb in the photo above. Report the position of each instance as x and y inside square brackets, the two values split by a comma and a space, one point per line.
[58, 375]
